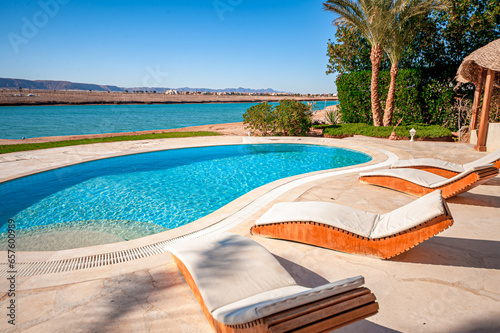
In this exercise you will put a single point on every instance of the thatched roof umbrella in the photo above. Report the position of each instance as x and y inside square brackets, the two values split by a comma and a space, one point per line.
[484, 62]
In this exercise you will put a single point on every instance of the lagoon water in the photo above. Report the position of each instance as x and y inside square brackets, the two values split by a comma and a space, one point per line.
[55, 120]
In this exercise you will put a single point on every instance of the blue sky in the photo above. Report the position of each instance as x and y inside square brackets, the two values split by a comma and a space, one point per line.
[203, 44]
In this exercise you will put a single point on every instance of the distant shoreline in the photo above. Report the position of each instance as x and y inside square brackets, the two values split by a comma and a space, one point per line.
[48, 97]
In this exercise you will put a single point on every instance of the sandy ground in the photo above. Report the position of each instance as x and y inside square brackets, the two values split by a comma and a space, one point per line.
[226, 129]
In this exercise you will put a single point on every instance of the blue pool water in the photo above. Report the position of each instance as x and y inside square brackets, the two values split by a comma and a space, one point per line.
[56, 120]
[152, 192]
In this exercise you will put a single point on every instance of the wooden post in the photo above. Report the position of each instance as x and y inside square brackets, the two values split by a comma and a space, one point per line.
[485, 113]
[477, 99]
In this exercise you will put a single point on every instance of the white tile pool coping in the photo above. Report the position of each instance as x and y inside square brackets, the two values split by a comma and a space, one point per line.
[41, 263]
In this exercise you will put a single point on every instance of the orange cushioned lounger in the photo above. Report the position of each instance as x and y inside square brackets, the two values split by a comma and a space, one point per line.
[447, 169]
[419, 182]
[241, 287]
[350, 230]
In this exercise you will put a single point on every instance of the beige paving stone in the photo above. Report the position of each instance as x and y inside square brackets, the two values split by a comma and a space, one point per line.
[449, 283]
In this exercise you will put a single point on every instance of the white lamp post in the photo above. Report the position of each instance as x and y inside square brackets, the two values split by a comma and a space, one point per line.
[412, 133]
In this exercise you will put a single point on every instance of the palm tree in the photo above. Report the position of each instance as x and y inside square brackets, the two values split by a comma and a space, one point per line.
[405, 23]
[372, 19]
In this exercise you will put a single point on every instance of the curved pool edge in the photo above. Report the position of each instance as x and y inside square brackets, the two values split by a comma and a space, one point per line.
[225, 218]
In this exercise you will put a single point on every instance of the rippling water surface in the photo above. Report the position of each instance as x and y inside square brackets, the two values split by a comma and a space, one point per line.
[38, 121]
[143, 194]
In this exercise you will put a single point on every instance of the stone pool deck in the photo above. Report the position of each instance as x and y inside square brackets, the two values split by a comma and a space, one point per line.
[450, 283]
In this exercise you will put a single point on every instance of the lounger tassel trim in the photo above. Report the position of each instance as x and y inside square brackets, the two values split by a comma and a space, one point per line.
[459, 186]
[327, 236]
[323, 315]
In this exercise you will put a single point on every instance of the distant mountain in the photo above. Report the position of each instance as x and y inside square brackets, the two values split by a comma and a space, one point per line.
[66, 85]
[227, 90]
[235, 90]
[54, 85]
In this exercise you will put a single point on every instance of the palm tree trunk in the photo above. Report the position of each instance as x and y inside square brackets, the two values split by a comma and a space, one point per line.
[391, 96]
[376, 58]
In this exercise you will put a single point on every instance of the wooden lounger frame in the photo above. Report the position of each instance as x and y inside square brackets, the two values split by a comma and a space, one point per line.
[442, 172]
[323, 315]
[333, 238]
[461, 185]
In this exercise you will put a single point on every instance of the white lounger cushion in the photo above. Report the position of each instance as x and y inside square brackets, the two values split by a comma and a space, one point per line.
[359, 222]
[420, 177]
[428, 162]
[274, 301]
[417, 212]
[490, 158]
[354, 220]
[227, 268]
[240, 281]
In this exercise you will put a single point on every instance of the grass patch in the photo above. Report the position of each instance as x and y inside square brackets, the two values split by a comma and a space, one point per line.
[423, 131]
[44, 145]
[321, 126]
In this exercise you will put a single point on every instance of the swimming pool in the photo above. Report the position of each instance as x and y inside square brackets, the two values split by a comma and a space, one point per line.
[138, 195]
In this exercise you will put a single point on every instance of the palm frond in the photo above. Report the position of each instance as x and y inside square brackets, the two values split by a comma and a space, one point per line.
[405, 17]
[367, 16]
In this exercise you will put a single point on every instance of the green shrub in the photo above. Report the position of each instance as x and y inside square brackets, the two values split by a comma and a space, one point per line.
[423, 131]
[419, 98]
[260, 119]
[333, 116]
[408, 106]
[288, 118]
[293, 118]
[358, 129]
[321, 126]
[354, 97]
[439, 97]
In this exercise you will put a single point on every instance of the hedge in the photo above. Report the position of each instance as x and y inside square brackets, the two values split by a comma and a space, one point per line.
[422, 131]
[419, 99]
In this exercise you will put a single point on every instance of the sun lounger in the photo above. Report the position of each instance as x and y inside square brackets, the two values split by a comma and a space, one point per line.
[419, 182]
[447, 169]
[350, 230]
[241, 287]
